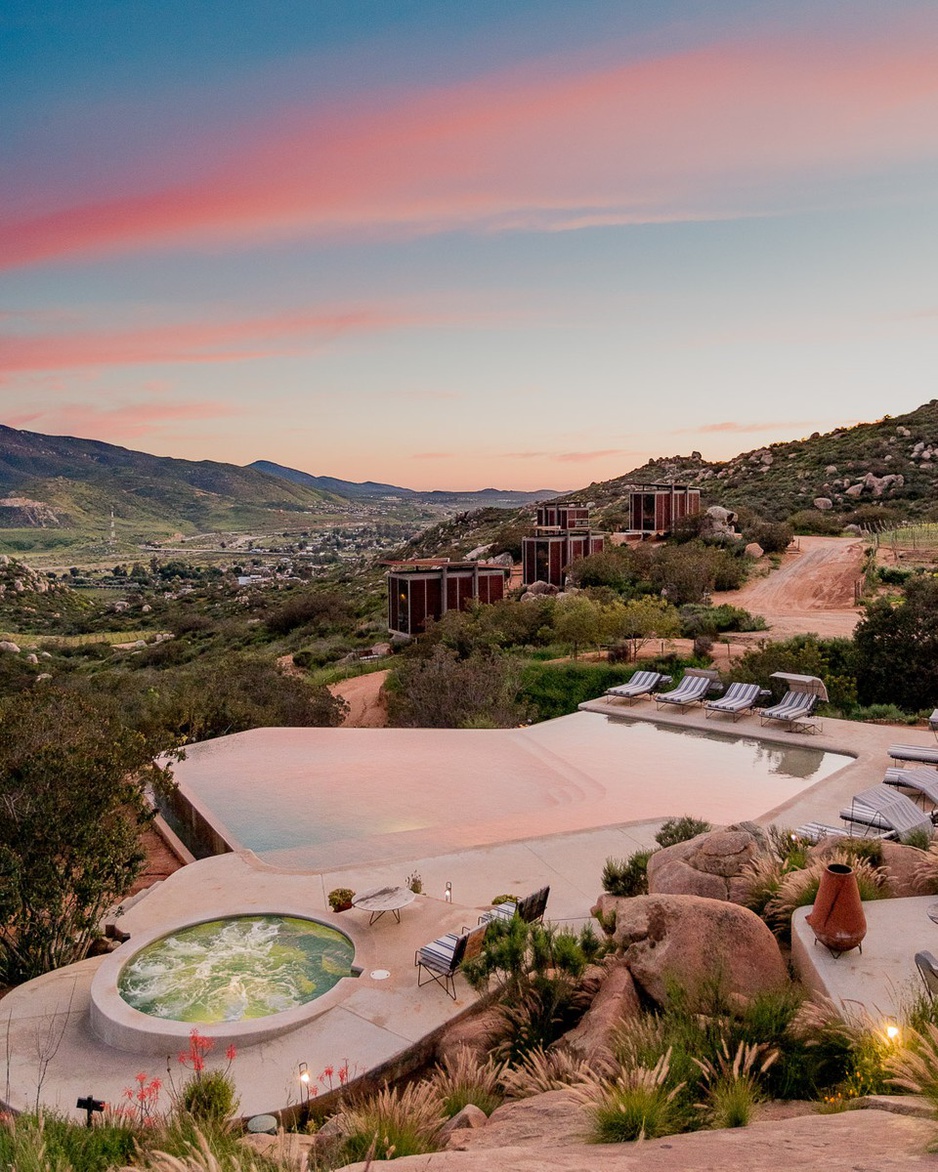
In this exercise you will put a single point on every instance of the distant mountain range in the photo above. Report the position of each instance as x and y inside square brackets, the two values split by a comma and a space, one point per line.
[371, 490]
[67, 483]
[60, 482]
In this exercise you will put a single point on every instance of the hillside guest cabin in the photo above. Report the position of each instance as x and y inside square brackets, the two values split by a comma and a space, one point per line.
[426, 588]
[561, 537]
[654, 509]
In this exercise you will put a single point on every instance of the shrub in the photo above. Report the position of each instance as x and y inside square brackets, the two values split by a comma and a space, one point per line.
[627, 876]
[210, 1097]
[772, 536]
[465, 1078]
[539, 1071]
[677, 830]
[393, 1123]
[37, 1143]
[814, 521]
[638, 1105]
[733, 1084]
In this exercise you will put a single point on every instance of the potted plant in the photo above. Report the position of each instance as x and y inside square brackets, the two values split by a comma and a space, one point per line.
[414, 882]
[340, 899]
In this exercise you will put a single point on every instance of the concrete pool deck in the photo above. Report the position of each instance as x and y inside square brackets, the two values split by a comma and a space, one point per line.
[50, 1043]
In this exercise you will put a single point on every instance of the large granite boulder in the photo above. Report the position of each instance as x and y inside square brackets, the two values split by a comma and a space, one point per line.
[709, 865]
[694, 943]
[616, 1000]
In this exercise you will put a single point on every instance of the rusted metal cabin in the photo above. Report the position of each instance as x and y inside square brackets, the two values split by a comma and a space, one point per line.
[654, 509]
[562, 536]
[564, 517]
[425, 589]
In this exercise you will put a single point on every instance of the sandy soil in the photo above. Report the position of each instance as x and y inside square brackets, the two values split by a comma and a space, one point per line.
[365, 700]
[811, 591]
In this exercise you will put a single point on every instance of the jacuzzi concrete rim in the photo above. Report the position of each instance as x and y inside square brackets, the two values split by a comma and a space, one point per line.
[118, 1024]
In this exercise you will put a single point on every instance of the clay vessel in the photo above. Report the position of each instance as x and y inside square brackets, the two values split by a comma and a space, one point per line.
[837, 917]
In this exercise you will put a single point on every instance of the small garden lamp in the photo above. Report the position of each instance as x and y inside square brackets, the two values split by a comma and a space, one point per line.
[304, 1081]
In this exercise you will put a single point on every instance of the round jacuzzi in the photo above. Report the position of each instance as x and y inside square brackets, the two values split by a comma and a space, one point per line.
[235, 978]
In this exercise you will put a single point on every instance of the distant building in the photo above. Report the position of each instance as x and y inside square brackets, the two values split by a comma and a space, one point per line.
[425, 589]
[654, 509]
[561, 537]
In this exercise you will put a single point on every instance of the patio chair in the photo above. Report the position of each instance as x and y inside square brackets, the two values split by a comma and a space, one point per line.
[642, 683]
[691, 690]
[919, 754]
[928, 970]
[739, 698]
[441, 958]
[794, 710]
[923, 781]
[933, 722]
[530, 909]
[884, 808]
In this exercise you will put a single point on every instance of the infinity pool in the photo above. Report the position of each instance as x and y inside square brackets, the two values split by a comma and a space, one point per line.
[320, 798]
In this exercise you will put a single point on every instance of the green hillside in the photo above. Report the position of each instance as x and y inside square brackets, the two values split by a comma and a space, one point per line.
[64, 483]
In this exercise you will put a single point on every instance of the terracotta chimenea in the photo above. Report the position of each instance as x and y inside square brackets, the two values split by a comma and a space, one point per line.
[837, 916]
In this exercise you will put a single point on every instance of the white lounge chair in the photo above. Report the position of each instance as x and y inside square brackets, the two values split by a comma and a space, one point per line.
[794, 710]
[530, 909]
[691, 690]
[642, 683]
[739, 698]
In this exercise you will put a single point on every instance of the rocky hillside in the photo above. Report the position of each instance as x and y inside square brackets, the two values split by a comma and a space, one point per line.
[891, 462]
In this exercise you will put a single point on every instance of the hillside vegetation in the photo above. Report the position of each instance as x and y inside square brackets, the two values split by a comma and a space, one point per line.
[893, 462]
[58, 482]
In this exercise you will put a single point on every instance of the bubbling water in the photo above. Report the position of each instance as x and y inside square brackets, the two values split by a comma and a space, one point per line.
[235, 969]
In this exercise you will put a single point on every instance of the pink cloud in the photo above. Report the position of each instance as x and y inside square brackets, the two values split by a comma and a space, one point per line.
[289, 332]
[123, 422]
[704, 134]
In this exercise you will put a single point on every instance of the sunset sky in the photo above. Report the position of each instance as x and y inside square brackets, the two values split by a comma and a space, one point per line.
[517, 243]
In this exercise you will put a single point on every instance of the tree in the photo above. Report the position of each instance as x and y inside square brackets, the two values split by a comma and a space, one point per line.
[578, 621]
[897, 648]
[72, 803]
[444, 691]
[646, 618]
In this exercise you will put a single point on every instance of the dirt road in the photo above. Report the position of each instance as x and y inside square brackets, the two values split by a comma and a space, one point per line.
[811, 591]
[366, 707]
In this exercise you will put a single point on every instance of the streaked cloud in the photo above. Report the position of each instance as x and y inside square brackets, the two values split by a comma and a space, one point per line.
[733, 129]
[122, 422]
[190, 342]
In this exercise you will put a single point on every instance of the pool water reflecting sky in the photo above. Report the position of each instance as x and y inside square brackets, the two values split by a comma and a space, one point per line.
[320, 798]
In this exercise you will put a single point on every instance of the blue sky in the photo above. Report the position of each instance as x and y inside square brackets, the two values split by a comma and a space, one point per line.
[523, 245]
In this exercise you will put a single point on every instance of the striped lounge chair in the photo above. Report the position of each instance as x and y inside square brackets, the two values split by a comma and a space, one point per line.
[441, 958]
[691, 690]
[530, 909]
[923, 781]
[642, 683]
[739, 698]
[883, 808]
[918, 754]
[795, 710]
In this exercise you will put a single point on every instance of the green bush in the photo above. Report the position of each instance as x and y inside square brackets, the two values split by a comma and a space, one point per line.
[210, 1097]
[51, 1143]
[677, 830]
[627, 877]
[556, 689]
